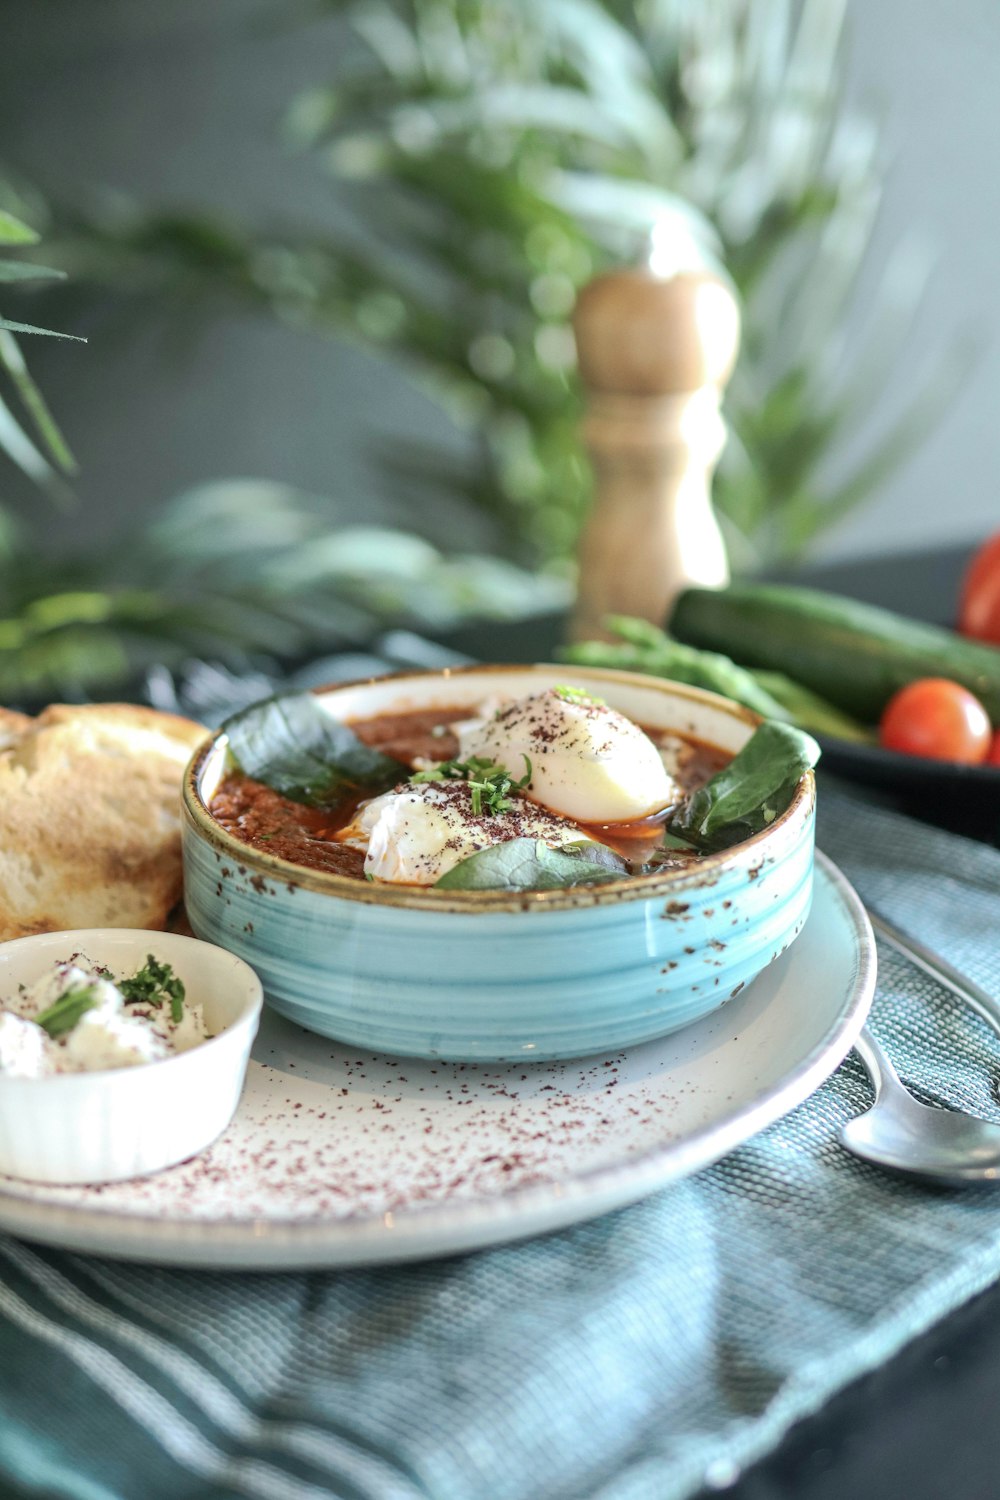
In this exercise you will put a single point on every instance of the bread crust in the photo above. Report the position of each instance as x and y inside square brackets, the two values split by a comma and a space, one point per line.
[90, 816]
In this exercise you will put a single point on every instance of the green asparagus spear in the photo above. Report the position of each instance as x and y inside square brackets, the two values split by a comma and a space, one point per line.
[643, 647]
[646, 649]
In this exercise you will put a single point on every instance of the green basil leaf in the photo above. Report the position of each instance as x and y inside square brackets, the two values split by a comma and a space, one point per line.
[530, 865]
[597, 854]
[672, 840]
[750, 792]
[295, 747]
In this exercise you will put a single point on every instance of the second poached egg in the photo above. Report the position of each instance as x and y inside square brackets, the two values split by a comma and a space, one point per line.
[415, 834]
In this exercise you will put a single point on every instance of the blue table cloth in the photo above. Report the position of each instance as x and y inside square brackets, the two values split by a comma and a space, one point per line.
[647, 1355]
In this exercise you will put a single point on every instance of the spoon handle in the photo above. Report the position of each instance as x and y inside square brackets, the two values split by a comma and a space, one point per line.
[880, 1070]
[978, 999]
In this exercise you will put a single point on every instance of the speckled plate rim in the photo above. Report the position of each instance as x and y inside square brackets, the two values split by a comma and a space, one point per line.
[441, 1229]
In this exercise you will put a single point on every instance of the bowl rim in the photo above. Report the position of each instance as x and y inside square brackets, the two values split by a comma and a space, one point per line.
[638, 887]
[249, 1014]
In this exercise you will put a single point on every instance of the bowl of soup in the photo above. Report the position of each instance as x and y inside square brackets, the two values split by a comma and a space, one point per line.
[390, 917]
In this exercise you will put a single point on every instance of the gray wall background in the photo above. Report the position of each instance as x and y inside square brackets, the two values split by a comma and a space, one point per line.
[178, 102]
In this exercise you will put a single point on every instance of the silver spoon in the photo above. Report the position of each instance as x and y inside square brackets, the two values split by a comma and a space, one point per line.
[941, 1145]
[944, 1145]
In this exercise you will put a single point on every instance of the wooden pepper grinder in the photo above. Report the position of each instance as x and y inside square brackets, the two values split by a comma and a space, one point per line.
[655, 353]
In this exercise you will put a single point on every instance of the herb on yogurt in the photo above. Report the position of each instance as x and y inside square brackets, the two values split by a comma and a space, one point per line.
[490, 785]
[64, 1013]
[154, 984]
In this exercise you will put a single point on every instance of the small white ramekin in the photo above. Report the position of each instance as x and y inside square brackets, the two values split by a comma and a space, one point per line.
[126, 1122]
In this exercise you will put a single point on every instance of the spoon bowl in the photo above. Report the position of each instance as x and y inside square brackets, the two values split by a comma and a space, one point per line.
[898, 1132]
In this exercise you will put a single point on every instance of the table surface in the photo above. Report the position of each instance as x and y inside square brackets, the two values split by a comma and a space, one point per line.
[924, 1424]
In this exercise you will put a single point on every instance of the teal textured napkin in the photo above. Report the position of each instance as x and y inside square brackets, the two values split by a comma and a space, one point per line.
[640, 1357]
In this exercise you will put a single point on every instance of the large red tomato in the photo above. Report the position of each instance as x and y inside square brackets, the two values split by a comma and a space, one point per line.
[979, 602]
[937, 719]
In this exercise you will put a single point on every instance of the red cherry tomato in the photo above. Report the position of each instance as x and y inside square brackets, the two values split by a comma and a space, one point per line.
[937, 719]
[993, 753]
[979, 602]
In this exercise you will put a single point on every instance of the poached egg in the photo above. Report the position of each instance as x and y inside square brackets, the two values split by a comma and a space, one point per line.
[415, 834]
[588, 762]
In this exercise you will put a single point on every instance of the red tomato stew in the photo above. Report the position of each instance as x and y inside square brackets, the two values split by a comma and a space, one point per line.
[308, 836]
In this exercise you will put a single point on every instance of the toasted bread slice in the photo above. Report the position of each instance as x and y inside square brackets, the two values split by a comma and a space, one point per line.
[90, 816]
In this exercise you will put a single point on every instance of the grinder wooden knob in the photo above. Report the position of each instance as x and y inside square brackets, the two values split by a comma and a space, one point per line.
[655, 354]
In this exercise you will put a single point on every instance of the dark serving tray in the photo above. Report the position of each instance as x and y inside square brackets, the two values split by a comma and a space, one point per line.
[922, 584]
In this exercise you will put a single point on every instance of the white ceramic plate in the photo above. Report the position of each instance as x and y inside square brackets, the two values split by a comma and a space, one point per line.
[340, 1158]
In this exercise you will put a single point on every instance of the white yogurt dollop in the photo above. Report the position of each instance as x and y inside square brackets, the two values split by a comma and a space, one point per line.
[110, 1033]
[588, 762]
[62, 980]
[105, 1038]
[26, 1051]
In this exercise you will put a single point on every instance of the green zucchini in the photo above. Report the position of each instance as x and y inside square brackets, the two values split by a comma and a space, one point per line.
[855, 655]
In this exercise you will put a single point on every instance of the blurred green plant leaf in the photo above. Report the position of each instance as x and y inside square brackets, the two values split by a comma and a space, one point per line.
[241, 571]
[491, 156]
[48, 452]
[19, 448]
[26, 270]
[12, 360]
[51, 333]
[13, 231]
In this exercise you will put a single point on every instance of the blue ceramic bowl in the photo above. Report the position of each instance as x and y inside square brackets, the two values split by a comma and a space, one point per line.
[483, 976]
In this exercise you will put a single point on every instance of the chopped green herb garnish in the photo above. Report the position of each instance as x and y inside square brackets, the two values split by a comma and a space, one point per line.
[154, 984]
[64, 1013]
[489, 784]
[576, 695]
